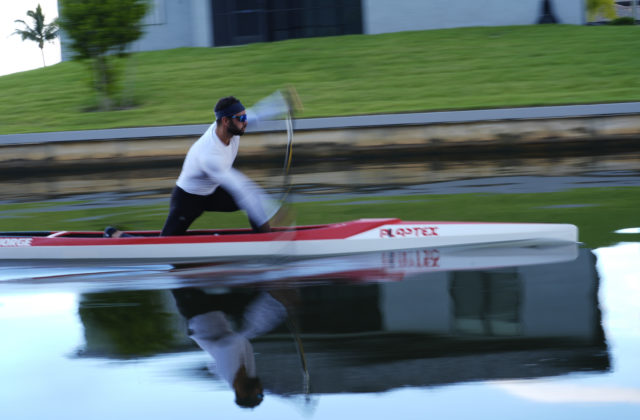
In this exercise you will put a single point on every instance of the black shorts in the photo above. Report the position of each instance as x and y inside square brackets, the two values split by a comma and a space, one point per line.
[185, 208]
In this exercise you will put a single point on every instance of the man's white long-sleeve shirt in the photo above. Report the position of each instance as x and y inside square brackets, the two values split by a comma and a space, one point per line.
[209, 165]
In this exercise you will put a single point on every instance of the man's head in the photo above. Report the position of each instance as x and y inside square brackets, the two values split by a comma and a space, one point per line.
[230, 113]
[249, 392]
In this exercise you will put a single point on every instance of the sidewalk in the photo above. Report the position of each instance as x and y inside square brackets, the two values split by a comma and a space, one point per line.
[329, 137]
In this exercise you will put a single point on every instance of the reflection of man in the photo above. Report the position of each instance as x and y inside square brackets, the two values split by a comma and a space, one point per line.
[209, 318]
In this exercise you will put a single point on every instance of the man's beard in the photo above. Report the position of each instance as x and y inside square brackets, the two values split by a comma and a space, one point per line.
[235, 131]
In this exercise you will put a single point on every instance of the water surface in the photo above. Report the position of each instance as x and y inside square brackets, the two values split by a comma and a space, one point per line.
[498, 332]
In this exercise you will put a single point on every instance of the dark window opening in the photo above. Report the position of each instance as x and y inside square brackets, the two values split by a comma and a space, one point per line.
[238, 22]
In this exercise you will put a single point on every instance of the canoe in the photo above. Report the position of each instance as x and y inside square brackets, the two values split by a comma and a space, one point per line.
[223, 245]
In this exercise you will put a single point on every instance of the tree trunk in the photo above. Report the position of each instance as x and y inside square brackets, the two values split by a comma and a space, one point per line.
[101, 74]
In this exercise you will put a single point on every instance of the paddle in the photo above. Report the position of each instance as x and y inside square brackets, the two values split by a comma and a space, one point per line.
[295, 105]
[283, 215]
[287, 158]
[295, 331]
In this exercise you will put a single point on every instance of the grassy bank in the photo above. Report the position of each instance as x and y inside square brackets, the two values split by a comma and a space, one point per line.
[598, 212]
[403, 72]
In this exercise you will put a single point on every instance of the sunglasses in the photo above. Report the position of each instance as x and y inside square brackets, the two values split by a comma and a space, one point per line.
[241, 118]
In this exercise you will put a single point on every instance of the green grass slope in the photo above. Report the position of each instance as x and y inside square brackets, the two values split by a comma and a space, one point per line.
[401, 72]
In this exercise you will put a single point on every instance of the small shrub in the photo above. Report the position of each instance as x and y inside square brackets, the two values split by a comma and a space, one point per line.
[605, 8]
[627, 20]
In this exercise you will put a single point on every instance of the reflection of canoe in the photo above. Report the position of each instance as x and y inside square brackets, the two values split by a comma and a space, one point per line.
[376, 266]
[364, 235]
[381, 266]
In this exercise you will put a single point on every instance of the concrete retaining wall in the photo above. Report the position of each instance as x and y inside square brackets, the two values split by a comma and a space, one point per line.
[457, 132]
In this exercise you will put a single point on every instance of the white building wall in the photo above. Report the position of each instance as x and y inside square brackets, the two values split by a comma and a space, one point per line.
[202, 31]
[168, 25]
[381, 16]
[189, 23]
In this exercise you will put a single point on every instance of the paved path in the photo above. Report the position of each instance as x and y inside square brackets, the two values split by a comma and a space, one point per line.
[420, 118]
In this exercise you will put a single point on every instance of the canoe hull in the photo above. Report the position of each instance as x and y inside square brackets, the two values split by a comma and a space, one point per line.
[365, 235]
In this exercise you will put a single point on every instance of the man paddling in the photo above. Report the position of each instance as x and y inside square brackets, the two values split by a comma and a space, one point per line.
[208, 181]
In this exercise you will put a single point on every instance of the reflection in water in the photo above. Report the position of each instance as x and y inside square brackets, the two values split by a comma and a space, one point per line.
[427, 329]
[209, 317]
[486, 304]
[129, 324]
[446, 176]
[363, 267]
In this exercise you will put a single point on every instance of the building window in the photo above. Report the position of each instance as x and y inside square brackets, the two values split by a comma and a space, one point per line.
[244, 21]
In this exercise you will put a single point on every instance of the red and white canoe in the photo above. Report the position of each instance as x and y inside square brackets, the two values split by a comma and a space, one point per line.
[364, 235]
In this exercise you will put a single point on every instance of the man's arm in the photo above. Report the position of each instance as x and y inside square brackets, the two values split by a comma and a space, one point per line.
[271, 107]
[249, 197]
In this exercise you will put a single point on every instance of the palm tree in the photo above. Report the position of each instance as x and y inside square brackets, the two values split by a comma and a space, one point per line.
[41, 32]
